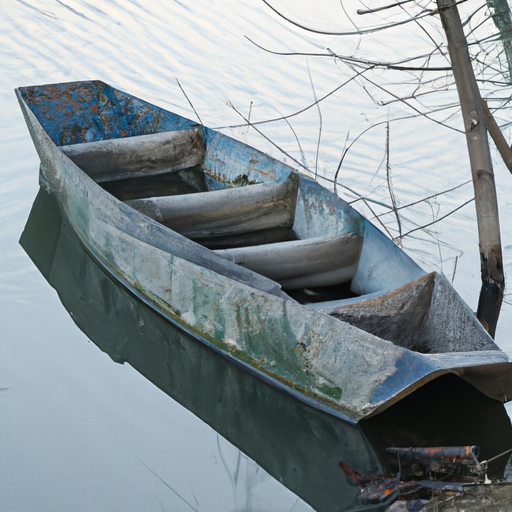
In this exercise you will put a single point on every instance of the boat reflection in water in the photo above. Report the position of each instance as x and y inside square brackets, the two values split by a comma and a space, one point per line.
[298, 445]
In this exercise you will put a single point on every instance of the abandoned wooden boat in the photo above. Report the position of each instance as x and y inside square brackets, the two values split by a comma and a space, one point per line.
[300, 446]
[258, 262]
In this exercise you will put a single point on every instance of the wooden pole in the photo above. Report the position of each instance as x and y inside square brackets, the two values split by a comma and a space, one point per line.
[491, 260]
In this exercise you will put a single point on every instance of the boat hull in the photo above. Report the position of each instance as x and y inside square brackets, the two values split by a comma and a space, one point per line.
[329, 364]
[297, 444]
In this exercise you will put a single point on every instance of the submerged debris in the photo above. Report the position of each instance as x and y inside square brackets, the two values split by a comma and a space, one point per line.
[432, 462]
[445, 478]
[490, 497]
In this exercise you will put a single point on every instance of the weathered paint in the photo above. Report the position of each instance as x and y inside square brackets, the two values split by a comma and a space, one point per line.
[225, 154]
[143, 155]
[77, 112]
[317, 358]
[425, 315]
[322, 213]
[226, 212]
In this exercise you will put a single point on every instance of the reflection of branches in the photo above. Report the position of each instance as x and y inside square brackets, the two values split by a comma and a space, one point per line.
[234, 478]
[422, 14]
[167, 485]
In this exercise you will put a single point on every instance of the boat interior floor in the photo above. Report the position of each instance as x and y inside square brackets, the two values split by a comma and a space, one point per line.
[192, 180]
[254, 226]
[186, 181]
[284, 231]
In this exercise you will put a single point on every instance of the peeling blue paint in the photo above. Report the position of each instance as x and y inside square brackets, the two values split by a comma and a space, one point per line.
[92, 111]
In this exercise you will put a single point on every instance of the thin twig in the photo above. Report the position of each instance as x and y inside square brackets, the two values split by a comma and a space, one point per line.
[439, 219]
[429, 197]
[336, 89]
[436, 45]
[426, 116]
[302, 154]
[343, 152]
[320, 122]
[365, 201]
[390, 186]
[436, 235]
[359, 196]
[417, 96]
[249, 118]
[348, 16]
[422, 14]
[266, 138]
[366, 62]
[346, 150]
[189, 102]
[377, 9]
[455, 267]
[496, 456]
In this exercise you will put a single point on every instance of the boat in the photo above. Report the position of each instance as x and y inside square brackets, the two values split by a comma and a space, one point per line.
[277, 277]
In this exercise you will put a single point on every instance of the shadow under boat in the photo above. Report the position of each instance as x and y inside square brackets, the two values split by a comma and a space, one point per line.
[298, 445]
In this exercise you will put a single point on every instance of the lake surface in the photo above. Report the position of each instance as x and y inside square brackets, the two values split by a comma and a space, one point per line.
[80, 432]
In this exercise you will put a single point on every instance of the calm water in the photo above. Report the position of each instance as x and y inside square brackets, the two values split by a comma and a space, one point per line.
[79, 432]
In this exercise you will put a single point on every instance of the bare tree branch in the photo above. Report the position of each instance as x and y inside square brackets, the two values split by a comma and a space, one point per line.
[373, 64]
[336, 89]
[377, 9]
[422, 14]
[428, 198]
[266, 138]
[426, 116]
[439, 219]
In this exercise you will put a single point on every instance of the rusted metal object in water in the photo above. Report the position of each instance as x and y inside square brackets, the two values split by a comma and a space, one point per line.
[454, 480]
[450, 460]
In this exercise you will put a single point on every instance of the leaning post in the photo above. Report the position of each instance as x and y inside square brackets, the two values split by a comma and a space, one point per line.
[491, 260]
